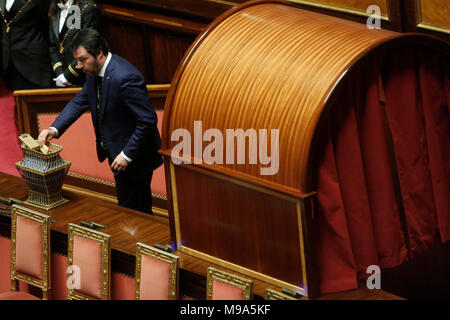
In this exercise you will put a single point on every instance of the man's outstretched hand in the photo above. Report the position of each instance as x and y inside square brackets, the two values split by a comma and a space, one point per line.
[45, 136]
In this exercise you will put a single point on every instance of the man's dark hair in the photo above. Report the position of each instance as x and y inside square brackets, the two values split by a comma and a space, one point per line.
[91, 40]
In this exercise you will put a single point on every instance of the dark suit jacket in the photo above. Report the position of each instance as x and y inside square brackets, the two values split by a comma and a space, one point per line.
[26, 44]
[64, 62]
[129, 121]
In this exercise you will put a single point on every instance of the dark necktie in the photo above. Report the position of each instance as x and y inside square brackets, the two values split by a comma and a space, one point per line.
[99, 81]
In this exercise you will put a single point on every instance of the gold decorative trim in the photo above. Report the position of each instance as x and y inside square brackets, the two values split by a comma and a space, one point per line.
[168, 23]
[154, 90]
[426, 26]
[339, 8]
[43, 114]
[18, 14]
[245, 285]
[159, 196]
[57, 65]
[120, 13]
[73, 71]
[91, 179]
[172, 260]
[175, 204]
[44, 220]
[105, 241]
[40, 172]
[433, 28]
[302, 245]
[276, 295]
[32, 201]
[228, 3]
[242, 270]
[160, 212]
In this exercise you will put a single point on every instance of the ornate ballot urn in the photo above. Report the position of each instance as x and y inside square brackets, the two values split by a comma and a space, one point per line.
[44, 175]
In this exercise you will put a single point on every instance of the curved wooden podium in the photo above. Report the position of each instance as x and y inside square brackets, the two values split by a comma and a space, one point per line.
[267, 65]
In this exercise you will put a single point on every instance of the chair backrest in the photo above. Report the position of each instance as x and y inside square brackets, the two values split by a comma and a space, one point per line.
[221, 285]
[276, 295]
[30, 248]
[89, 256]
[156, 274]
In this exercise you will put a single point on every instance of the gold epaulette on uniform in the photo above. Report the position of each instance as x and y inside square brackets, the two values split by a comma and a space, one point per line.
[72, 70]
[57, 65]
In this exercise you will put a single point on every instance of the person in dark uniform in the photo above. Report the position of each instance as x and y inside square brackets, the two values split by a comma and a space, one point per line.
[25, 59]
[62, 31]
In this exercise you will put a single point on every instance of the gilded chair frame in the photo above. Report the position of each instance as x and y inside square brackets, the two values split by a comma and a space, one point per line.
[276, 295]
[44, 220]
[171, 259]
[105, 241]
[215, 274]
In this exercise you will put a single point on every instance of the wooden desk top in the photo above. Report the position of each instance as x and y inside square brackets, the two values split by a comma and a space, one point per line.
[127, 227]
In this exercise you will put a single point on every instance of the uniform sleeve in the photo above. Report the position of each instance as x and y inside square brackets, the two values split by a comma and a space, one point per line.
[54, 52]
[90, 17]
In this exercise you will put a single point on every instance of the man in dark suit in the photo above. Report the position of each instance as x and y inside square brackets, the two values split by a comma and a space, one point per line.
[123, 117]
[25, 58]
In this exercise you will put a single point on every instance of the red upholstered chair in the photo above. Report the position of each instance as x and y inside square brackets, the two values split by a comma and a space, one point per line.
[30, 253]
[221, 285]
[156, 274]
[89, 254]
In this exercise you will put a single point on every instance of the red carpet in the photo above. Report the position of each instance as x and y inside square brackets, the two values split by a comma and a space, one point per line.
[10, 151]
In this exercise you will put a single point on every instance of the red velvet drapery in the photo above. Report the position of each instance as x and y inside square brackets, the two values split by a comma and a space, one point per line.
[383, 179]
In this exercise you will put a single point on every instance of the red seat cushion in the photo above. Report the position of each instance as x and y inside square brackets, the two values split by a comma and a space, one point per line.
[17, 295]
[225, 291]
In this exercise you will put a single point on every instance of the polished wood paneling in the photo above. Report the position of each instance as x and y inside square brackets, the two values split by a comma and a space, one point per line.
[360, 6]
[238, 67]
[143, 17]
[430, 16]
[154, 43]
[391, 11]
[264, 65]
[208, 9]
[435, 13]
[128, 41]
[166, 51]
[247, 227]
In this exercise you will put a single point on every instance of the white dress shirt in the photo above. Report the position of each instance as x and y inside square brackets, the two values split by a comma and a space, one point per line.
[103, 70]
[9, 4]
[101, 74]
[64, 13]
